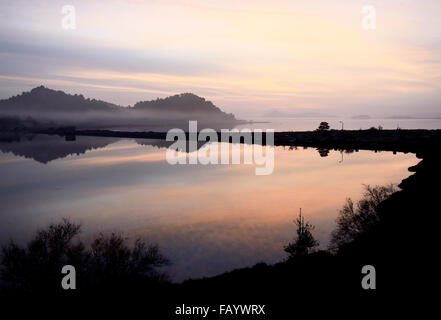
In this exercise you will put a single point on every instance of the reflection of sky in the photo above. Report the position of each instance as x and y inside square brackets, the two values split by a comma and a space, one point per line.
[207, 219]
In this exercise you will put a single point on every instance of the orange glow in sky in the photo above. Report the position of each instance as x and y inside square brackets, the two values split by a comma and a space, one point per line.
[247, 57]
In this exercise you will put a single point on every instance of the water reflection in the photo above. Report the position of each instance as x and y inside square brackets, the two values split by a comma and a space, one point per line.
[208, 219]
[46, 148]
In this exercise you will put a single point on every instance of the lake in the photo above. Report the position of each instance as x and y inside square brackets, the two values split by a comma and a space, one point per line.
[207, 219]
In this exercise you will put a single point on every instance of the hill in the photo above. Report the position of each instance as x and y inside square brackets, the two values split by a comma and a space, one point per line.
[47, 100]
[44, 104]
[182, 104]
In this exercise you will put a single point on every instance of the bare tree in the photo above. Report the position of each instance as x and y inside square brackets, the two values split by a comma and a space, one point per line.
[358, 218]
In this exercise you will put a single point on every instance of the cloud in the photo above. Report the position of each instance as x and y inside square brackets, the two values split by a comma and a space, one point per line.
[20, 57]
[247, 57]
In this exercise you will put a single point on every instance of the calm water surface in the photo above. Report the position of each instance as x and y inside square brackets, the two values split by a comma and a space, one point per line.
[207, 219]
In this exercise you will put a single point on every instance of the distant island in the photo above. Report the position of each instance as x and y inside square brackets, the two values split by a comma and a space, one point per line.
[404, 117]
[305, 113]
[47, 106]
[361, 117]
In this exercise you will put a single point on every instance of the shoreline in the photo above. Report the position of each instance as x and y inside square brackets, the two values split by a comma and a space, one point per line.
[412, 140]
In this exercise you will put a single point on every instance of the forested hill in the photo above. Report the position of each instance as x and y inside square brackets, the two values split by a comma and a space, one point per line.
[42, 100]
[47, 100]
[187, 103]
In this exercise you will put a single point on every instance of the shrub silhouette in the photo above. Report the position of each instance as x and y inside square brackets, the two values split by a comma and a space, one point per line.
[37, 267]
[359, 218]
[108, 262]
[323, 152]
[304, 242]
[324, 126]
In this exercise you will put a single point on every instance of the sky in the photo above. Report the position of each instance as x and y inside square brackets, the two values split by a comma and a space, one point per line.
[248, 57]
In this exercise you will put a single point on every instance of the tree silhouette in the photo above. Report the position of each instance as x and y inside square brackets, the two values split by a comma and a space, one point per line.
[108, 263]
[359, 218]
[324, 126]
[304, 241]
[323, 152]
[111, 260]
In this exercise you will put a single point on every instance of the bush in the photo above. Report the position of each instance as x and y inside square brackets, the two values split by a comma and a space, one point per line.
[109, 260]
[359, 218]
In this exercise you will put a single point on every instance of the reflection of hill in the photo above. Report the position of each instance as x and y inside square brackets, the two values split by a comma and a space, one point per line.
[45, 148]
[154, 142]
[163, 143]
